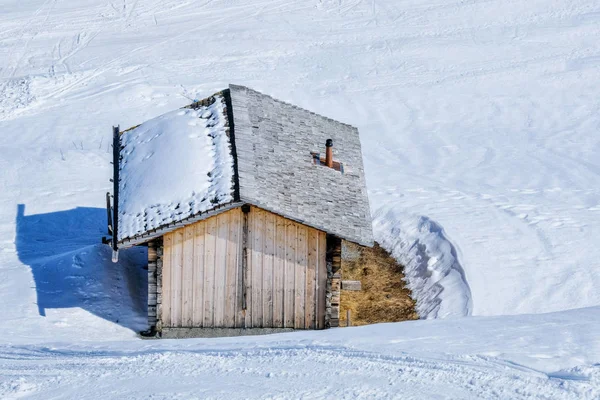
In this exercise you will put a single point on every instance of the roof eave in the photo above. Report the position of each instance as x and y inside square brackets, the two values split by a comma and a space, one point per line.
[148, 236]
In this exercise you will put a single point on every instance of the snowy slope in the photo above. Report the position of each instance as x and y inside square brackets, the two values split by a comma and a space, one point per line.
[479, 122]
[481, 116]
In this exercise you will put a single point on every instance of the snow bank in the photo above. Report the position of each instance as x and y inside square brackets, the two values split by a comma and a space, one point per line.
[432, 269]
[173, 167]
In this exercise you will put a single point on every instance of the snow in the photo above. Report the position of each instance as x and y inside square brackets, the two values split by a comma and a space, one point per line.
[468, 358]
[479, 123]
[433, 274]
[173, 167]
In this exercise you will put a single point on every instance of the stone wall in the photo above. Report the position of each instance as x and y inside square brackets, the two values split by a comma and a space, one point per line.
[334, 281]
[155, 253]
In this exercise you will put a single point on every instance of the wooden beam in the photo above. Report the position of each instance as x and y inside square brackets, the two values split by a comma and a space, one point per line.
[116, 160]
[109, 214]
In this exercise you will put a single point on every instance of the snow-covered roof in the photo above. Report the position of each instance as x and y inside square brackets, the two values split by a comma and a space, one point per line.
[240, 146]
[174, 167]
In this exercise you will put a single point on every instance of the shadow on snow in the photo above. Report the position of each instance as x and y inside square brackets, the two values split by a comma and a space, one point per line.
[71, 268]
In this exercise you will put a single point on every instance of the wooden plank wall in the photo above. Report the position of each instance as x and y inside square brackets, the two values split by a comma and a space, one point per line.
[200, 272]
[286, 262]
[286, 273]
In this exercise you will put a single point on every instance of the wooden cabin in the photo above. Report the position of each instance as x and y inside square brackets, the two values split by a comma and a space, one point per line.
[243, 202]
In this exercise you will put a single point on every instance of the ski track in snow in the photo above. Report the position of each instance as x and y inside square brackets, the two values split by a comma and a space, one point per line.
[470, 358]
[479, 122]
[236, 375]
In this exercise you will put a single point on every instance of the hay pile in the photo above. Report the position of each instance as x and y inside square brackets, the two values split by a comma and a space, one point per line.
[384, 296]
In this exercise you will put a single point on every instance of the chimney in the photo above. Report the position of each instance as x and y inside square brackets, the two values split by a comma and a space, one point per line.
[329, 153]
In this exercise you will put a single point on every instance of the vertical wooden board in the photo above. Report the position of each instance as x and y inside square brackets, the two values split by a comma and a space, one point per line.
[279, 272]
[221, 268]
[248, 280]
[268, 256]
[258, 236]
[209, 271]
[187, 291]
[166, 280]
[176, 278]
[198, 305]
[240, 318]
[290, 274]
[311, 276]
[300, 283]
[321, 280]
[231, 267]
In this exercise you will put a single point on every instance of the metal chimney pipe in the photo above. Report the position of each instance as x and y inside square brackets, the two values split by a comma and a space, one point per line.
[329, 153]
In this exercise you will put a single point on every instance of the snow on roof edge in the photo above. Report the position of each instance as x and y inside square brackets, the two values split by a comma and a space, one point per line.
[175, 167]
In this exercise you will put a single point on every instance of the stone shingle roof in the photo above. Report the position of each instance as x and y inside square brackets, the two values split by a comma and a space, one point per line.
[274, 141]
[270, 143]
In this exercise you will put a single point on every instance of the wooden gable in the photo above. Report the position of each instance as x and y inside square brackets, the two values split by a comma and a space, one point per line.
[206, 284]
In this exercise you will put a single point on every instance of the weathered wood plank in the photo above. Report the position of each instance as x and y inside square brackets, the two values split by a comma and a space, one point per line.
[166, 280]
[321, 280]
[221, 268]
[209, 272]
[279, 272]
[311, 278]
[198, 301]
[258, 235]
[187, 277]
[268, 256]
[249, 271]
[233, 250]
[300, 279]
[176, 276]
[241, 286]
[290, 274]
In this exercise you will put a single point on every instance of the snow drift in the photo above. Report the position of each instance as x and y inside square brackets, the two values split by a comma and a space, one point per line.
[431, 267]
